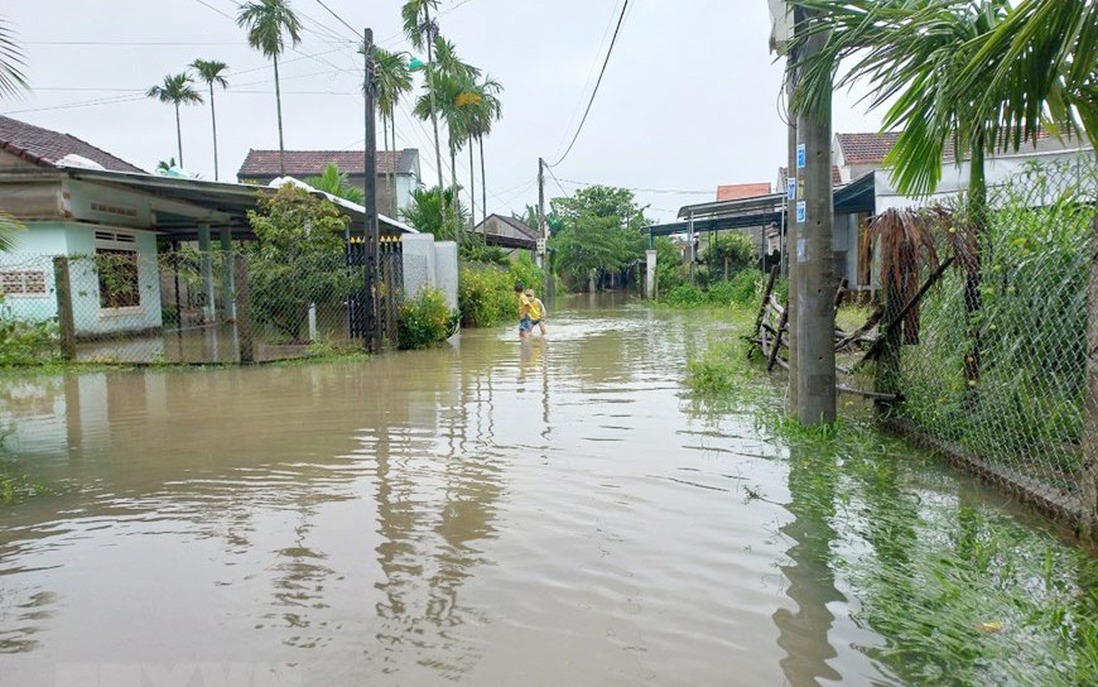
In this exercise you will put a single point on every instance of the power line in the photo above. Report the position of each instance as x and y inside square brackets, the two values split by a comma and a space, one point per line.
[602, 71]
[559, 185]
[645, 190]
[339, 18]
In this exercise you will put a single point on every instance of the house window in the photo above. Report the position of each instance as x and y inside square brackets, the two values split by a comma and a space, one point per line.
[23, 282]
[116, 268]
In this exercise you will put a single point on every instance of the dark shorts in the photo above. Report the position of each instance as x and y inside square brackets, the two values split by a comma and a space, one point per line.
[526, 325]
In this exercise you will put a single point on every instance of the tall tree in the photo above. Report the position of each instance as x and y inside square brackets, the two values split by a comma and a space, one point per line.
[421, 31]
[266, 22]
[392, 79]
[210, 71]
[484, 109]
[177, 89]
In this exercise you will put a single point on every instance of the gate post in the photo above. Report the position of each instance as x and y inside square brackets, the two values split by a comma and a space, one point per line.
[1089, 477]
[62, 285]
[245, 340]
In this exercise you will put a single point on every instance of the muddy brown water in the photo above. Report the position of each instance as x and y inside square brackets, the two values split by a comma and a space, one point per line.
[494, 513]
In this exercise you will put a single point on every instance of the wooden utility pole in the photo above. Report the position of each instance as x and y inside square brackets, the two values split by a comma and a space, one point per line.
[812, 255]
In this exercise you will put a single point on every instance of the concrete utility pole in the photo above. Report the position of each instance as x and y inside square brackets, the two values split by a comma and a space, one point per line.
[541, 210]
[812, 257]
[373, 324]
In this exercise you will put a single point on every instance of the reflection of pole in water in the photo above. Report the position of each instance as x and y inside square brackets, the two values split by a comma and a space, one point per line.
[428, 530]
[804, 635]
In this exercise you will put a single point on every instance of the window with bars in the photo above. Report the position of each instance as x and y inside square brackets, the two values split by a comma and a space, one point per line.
[118, 278]
[22, 282]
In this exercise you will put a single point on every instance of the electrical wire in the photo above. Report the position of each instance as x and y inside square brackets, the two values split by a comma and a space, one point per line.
[613, 41]
[338, 18]
[646, 190]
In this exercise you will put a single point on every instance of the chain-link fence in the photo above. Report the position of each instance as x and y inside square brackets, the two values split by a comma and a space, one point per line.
[991, 361]
[121, 305]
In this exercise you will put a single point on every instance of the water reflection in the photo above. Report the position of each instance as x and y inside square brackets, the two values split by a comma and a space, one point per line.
[813, 479]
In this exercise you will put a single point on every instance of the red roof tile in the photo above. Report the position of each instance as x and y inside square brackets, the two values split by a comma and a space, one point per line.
[302, 163]
[836, 176]
[44, 147]
[734, 191]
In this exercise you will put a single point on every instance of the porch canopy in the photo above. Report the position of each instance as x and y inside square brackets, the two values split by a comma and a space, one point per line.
[182, 205]
[761, 211]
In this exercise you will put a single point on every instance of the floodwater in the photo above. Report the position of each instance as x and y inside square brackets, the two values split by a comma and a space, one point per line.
[556, 512]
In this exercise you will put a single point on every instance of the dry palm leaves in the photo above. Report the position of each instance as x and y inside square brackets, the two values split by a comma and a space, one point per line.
[906, 244]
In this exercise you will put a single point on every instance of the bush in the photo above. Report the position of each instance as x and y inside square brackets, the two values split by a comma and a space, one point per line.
[26, 342]
[686, 295]
[426, 320]
[485, 295]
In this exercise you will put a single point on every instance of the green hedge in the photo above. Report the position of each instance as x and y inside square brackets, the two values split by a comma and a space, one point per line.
[425, 320]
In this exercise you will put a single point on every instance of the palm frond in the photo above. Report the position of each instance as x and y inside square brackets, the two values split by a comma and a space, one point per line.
[12, 79]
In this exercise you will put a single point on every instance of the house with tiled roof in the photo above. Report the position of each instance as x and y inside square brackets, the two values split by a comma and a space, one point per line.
[76, 200]
[508, 233]
[397, 169]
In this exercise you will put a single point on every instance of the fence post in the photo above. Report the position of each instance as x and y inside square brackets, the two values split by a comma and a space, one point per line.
[245, 341]
[886, 377]
[1089, 514]
[63, 290]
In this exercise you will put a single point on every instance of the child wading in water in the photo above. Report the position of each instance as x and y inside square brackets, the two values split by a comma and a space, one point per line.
[531, 312]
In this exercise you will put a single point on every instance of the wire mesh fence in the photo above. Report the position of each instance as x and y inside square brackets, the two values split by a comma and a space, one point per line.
[991, 361]
[119, 305]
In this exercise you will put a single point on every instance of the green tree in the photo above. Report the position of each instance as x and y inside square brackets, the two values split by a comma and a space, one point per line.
[1043, 59]
[337, 184]
[210, 71]
[601, 233]
[12, 79]
[427, 213]
[266, 22]
[392, 78]
[481, 108]
[177, 89]
[297, 258]
[421, 31]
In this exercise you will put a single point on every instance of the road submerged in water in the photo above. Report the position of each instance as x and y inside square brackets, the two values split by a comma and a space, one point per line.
[555, 512]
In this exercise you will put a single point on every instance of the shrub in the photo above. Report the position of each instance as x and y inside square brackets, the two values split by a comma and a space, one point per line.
[686, 295]
[426, 320]
[485, 295]
[26, 342]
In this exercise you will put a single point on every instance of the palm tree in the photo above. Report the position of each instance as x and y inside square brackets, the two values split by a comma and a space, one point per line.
[210, 72]
[12, 79]
[421, 31]
[486, 109]
[392, 79]
[176, 89]
[1045, 63]
[266, 21]
[336, 183]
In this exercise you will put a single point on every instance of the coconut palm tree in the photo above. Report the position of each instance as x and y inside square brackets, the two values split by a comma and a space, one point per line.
[177, 89]
[210, 72]
[12, 79]
[443, 97]
[266, 22]
[392, 79]
[421, 31]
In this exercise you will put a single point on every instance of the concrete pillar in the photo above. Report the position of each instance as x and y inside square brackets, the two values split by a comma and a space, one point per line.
[418, 255]
[62, 285]
[228, 276]
[207, 271]
[650, 274]
[446, 271]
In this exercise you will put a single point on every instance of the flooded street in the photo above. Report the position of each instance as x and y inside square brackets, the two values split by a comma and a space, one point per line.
[551, 513]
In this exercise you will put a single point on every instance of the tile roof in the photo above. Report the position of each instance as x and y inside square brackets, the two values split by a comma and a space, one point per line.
[861, 149]
[734, 191]
[302, 163]
[45, 147]
[836, 176]
[518, 225]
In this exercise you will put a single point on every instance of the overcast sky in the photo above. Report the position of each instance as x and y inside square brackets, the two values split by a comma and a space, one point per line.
[689, 100]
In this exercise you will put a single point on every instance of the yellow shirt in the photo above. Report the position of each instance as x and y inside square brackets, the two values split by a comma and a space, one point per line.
[524, 305]
[535, 309]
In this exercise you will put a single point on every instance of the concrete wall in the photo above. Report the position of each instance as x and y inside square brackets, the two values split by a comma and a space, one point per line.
[34, 250]
[88, 317]
[430, 264]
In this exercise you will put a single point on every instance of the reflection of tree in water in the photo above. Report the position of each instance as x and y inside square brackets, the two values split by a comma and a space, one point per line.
[436, 498]
[813, 477]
